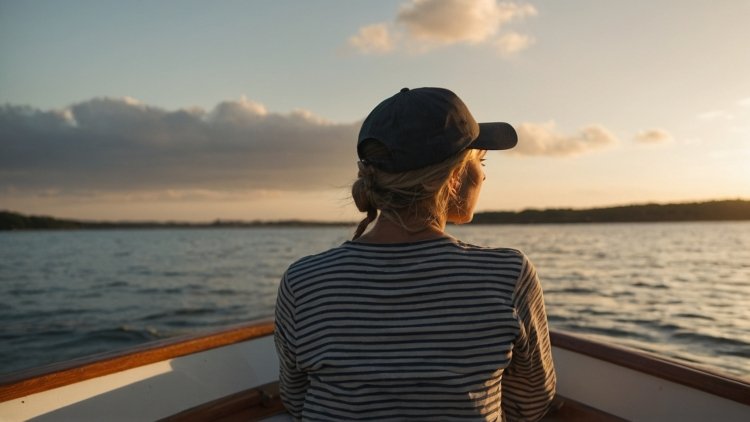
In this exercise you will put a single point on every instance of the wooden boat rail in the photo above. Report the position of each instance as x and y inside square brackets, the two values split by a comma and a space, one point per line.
[700, 379]
[258, 403]
[24, 383]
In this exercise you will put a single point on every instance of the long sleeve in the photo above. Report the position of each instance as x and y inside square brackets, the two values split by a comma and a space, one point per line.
[529, 382]
[293, 383]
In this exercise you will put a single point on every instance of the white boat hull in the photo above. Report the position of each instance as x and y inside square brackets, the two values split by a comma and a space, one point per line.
[637, 396]
[153, 391]
[166, 387]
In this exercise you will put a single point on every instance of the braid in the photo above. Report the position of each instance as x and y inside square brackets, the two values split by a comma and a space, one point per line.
[362, 192]
[372, 213]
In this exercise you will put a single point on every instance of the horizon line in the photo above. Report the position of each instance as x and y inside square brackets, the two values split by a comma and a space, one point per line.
[260, 221]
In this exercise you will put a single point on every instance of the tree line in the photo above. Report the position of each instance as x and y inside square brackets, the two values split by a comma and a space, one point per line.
[729, 210]
[15, 221]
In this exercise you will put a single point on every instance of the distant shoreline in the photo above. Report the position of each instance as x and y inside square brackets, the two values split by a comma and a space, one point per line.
[724, 210]
[15, 221]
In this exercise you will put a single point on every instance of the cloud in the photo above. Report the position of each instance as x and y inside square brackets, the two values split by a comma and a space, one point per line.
[427, 24]
[653, 136]
[108, 144]
[116, 146]
[736, 113]
[716, 115]
[372, 39]
[512, 43]
[545, 140]
[449, 21]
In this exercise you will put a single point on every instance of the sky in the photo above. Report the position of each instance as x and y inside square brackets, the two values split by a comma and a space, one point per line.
[196, 111]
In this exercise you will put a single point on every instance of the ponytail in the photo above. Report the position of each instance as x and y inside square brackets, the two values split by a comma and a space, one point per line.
[423, 195]
[362, 195]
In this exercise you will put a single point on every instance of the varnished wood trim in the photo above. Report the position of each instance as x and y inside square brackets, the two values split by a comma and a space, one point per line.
[257, 403]
[248, 405]
[700, 379]
[23, 383]
[36, 380]
[565, 409]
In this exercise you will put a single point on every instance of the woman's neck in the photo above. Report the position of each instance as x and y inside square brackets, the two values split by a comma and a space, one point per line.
[387, 231]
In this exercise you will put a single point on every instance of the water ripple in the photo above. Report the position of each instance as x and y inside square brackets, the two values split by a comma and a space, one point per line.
[681, 290]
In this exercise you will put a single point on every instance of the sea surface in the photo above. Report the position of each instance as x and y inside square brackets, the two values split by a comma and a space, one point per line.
[681, 290]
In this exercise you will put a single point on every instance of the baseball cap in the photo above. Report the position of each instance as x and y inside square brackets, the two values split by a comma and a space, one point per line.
[425, 126]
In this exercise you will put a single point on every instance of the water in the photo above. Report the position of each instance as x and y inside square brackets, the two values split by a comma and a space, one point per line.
[681, 290]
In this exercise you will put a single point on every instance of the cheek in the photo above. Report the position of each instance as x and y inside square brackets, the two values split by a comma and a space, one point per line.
[475, 175]
[476, 179]
[472, 184]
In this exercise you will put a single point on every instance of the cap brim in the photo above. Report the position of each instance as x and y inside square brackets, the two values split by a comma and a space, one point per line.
[495, 136]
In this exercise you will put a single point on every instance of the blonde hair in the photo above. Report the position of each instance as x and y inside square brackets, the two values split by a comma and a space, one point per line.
[424, 195]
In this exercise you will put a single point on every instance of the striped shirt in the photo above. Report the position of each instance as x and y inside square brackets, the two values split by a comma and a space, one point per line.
[431, 330]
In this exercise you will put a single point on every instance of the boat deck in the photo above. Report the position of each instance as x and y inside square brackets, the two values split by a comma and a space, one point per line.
[232, 374]
[263, 402]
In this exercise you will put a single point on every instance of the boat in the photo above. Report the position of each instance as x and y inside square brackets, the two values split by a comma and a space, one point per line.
[232, 375]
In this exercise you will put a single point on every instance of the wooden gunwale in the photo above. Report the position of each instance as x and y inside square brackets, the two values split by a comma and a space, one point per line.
[24, 383]
[699, 379]
[261, 402]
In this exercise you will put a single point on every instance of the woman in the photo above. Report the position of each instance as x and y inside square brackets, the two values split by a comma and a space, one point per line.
[405, 322]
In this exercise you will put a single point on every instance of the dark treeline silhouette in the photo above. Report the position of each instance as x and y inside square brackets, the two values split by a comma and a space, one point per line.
[697, 211]
[15, 221]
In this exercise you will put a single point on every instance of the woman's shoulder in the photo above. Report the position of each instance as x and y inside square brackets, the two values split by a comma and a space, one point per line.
[313, 259]
[448, 248]
[497, 250]
[501, 255]
[353, 250]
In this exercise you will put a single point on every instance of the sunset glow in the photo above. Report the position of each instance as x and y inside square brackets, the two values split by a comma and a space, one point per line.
[195, 111]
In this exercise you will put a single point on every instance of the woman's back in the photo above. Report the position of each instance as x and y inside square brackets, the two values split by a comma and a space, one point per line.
[405, 322]
[422, 330]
